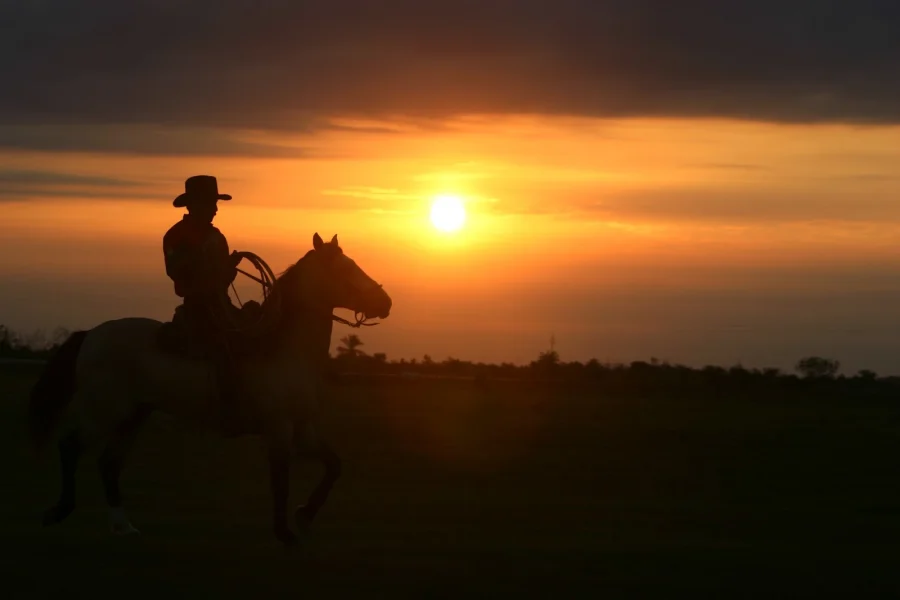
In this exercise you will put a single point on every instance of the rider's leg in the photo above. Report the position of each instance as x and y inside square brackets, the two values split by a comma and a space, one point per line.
[228, 385]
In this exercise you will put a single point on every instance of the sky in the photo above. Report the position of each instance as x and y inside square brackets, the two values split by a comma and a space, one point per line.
[700, 182]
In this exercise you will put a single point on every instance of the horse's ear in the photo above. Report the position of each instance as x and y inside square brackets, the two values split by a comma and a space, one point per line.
[317, 241]
[334, 240]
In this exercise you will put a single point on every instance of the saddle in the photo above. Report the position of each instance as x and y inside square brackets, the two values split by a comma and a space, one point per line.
[179, 338]
[189, 340]
[186, 339]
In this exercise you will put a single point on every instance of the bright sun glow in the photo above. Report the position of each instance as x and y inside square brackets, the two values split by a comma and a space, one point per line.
[448, 213]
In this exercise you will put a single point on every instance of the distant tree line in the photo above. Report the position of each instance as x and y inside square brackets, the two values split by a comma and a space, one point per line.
[812, 373]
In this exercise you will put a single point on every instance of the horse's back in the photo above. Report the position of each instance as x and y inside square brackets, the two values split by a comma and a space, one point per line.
[129, 323]
[119, 339]
[133, 325]
[122, 364]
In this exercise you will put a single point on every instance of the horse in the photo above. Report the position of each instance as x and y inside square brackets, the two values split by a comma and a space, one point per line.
[102, 384]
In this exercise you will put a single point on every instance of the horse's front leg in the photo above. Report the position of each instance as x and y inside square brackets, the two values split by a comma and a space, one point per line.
[313, 447]
[279, 451]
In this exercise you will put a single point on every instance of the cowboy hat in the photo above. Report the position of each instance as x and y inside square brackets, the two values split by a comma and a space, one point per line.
[200, 187]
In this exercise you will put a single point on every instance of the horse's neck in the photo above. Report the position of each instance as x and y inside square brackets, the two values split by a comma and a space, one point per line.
[306, 332]
[308, 336]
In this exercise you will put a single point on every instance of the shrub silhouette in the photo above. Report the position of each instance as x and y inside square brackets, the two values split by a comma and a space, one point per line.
[816, 367]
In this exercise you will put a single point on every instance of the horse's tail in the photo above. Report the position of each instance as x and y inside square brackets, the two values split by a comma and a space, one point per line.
[53, 391]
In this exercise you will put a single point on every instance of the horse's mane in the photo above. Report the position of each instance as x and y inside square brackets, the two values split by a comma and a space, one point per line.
[288, 278]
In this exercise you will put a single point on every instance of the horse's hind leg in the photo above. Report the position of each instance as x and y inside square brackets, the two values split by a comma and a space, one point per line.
[70, 450]
[110, 464]
[279, 447]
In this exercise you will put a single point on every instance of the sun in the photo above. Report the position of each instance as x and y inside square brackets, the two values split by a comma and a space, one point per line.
[448, 213]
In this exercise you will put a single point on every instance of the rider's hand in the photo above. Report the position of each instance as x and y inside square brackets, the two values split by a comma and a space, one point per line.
[235, 259]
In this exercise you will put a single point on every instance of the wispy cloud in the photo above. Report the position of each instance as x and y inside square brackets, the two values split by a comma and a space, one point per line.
[735, 167]
[372, 199]
[370, 193]
[711, 205]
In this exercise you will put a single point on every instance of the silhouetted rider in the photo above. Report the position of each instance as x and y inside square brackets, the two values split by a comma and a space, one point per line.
[200, 265]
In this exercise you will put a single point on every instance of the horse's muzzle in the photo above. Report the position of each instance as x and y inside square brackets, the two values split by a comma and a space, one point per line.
[380, 306]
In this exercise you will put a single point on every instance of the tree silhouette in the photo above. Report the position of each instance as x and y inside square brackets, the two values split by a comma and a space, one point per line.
[548, 358]
[547, 363]
[350, 348]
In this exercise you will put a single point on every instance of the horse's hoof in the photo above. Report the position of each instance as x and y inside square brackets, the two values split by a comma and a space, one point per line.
[119, 523]
[54, 515]
[286, 536]
[124, 529]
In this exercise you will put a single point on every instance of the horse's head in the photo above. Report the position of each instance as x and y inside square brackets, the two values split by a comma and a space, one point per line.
[326, 279]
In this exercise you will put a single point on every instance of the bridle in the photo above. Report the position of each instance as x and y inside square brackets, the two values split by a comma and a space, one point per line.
[360, 320]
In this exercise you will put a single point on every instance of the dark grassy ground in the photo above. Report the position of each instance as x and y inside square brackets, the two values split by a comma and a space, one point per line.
[452, 489]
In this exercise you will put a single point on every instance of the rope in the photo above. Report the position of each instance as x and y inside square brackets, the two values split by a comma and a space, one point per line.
[236, 296]
[250, 276]
[266, 275]
[270, 311]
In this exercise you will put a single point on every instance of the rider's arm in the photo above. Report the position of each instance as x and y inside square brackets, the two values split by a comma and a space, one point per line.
[183, 265]
[219, 261]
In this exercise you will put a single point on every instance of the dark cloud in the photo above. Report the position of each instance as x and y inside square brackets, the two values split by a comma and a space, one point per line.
[13, 177]
[293, 63]
[17, 185]
[139, 139]
[37, 192]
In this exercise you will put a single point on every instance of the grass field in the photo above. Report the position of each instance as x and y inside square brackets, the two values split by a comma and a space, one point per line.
[457, 489]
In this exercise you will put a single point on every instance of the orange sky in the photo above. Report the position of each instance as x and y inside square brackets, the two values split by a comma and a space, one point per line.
[697, 241]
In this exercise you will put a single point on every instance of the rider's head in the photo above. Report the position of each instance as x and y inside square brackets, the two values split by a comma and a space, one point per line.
[203, 210]
[201, 196]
